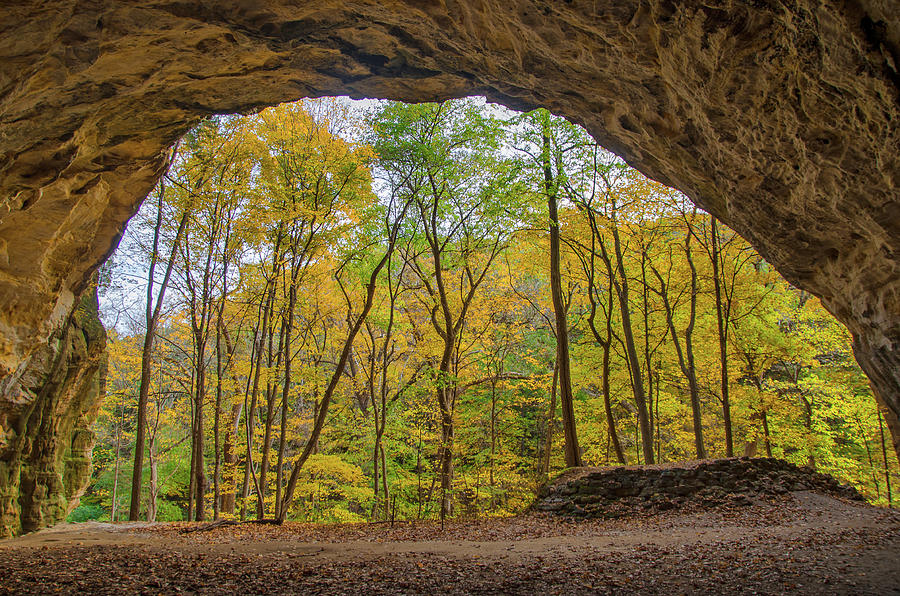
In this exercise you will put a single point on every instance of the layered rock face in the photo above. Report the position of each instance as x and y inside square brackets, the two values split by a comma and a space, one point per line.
[778, 117]
[45, 448]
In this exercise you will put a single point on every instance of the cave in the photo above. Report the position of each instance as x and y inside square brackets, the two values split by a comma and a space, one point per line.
[780, 118]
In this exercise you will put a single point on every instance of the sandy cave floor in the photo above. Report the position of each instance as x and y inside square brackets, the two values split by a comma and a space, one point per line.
[805, 543]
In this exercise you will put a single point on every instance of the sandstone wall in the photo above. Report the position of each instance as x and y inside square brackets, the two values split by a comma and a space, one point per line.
[45, 448]
[780, 117]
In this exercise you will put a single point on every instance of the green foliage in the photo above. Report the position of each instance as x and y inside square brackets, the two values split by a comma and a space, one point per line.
[84, 513]
[167, 511]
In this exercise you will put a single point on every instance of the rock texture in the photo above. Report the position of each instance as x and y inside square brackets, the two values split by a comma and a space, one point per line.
[613, 492]
[45, 448]
[780, 117]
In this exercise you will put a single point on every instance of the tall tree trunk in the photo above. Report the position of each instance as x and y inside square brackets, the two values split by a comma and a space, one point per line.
[493, 433]
[115, 489]
[266, 446]
[887, 467]
[217, 419]
[607, 401]
[287, 330]
[376, 477]
[229, 459]
[282, 445]
[153, 487]
[338, 372]
[645, 312]
[384, 483]
[605, 341]
[250, 419]
[689, 353]
[551, 421]
[200, 481]
[192, 480]
[620, 282]
[572, 450]
[722, 327]
[152, 313]
[445, 453]
[686, 354]
[271, 394]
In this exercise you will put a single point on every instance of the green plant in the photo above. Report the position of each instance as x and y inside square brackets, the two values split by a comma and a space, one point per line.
[166, 511]
[85, 513]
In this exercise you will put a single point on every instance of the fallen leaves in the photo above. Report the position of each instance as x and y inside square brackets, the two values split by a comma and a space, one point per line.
[792, 545]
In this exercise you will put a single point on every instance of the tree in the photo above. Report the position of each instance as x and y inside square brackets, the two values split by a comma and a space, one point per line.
[550, 156]
[153, 311]
[301, 360]
[685, 354]
[443, 157]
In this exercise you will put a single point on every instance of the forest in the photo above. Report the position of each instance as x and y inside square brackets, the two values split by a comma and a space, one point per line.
[342, 312]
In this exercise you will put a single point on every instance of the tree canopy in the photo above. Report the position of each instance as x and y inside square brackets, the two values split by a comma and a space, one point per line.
[360, 324]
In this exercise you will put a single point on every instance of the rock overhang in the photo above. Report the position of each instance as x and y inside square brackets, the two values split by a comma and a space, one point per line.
[780, 118]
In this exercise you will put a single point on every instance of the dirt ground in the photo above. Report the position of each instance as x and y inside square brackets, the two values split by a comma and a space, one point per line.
[805, 543]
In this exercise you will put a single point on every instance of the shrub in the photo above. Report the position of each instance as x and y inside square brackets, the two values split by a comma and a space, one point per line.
[167, 511]
[84, 513]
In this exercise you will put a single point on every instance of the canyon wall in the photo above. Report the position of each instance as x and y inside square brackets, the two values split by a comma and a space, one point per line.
[780, 117]
[45, 448]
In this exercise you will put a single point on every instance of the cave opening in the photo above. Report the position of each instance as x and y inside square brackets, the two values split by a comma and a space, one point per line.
[777, 119]
[254, 228]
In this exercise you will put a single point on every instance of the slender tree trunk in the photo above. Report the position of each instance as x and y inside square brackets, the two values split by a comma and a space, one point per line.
[419, 475]
[722, 326]
[287, 330]
[607, 405]
[620, 283]
[887, 467]
[217, 419]
[493, 433]
[115, 490]
[192, 480]
[605, 341]
[645, 312]
[282, 444]
[336, 375]
[689, 353]
[376, 478]
[267, 433]
[551, 421]
[251, 411]
[384, 483]
[659, 458]
[153, 488]
[766, 436]
[686, 354]
[229, 460]
[572, 450]
[266, 446]
[200, 467]
[152, 319]
[263, 336]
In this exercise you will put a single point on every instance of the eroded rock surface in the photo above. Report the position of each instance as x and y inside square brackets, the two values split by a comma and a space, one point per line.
[778, 117]
[46, 419]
